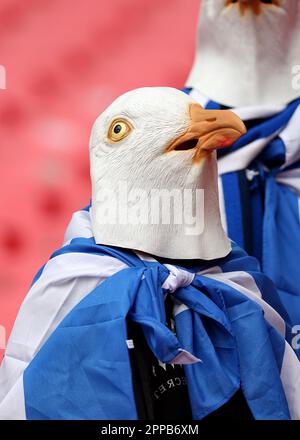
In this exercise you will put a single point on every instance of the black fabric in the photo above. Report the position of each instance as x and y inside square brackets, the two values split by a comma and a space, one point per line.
[235, 409]
[160, 389]
[141, 359]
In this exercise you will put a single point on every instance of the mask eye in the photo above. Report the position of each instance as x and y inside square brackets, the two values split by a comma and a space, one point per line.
[118, 130]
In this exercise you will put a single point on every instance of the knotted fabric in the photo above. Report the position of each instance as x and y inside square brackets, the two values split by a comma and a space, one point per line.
[68, 354]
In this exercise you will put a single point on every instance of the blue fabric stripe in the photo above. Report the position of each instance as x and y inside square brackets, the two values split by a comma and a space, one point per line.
[273, 154]
[278, 344]
[270, 294]
[87, 208]
[257, 223]
[186, 90]
[212, 105]
[282, 255]
[89, 246]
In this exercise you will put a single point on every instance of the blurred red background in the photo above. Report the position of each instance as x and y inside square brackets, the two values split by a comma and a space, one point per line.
[65, 61]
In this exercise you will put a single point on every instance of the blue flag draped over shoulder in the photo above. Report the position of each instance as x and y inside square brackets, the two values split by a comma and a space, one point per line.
[260, 193]
[67, 357]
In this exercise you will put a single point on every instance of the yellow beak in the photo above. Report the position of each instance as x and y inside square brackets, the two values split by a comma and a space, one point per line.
[208, 130]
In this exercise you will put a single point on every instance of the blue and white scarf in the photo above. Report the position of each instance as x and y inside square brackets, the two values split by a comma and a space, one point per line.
[260, 193]
[68, 358]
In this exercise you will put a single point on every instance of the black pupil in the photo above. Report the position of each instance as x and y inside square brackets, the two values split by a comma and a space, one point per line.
[117, 128]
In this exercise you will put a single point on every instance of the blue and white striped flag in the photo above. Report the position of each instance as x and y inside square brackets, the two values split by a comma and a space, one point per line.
[67, 356]
[259, 189]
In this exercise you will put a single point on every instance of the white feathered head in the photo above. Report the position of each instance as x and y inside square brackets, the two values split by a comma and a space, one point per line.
[248, 52]
[154, 177]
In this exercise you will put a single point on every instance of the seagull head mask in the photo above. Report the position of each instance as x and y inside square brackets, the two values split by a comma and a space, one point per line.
[248, 52]
[154, 174]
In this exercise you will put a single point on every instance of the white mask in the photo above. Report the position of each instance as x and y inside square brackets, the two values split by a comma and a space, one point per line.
[248, 52]
[149, 144]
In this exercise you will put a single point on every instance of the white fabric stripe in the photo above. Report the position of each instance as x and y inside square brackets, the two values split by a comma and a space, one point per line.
[245, 283]
[256, 112]
[185, 358]
[13, 405]
[177, 278]
[79, 226]
[66, 279]
[290, 377]
[240, 159]
[291, 138]
[245, 113]
[197, 96]
[210, 271]
[179, 308]
[222, 204]
[290, 178]
[143, 256]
